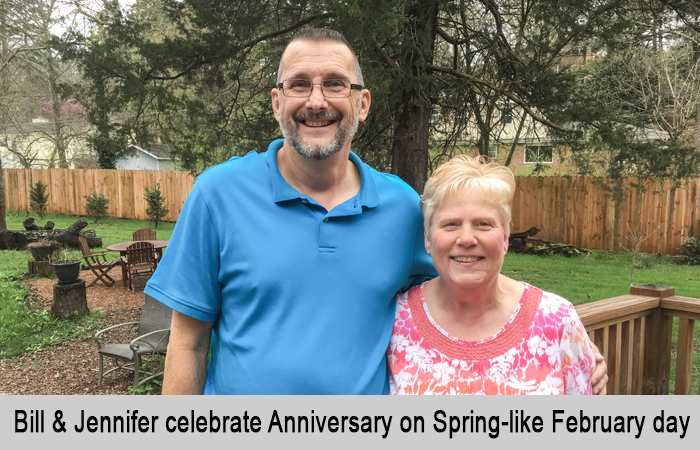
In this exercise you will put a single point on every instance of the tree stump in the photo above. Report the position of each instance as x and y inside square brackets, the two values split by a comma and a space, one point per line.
[69, 300]
[30, 224]
[42, 269]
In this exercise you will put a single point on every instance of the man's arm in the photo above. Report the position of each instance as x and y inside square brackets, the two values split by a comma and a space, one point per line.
[186, 360]
[599, 378]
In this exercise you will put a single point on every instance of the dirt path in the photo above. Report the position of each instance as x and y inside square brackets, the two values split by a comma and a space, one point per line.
[71, 368]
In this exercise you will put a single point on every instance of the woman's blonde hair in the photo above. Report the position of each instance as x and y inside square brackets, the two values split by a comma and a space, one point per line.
[491, 181]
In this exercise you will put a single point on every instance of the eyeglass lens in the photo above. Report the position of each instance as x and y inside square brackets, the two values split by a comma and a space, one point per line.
[303, 88]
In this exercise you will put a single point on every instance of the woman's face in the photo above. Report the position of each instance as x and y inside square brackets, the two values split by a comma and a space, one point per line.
[467, 240]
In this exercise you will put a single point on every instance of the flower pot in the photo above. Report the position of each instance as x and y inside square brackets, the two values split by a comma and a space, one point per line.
[40, 251]
[67, 271]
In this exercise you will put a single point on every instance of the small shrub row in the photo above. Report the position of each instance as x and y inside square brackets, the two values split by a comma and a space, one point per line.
[96, 204]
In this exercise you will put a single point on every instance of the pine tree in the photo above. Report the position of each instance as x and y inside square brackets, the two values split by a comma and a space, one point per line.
[96, 205]
[156, 209]
[38, 198]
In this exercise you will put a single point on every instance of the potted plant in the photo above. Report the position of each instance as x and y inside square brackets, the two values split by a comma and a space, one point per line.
[41, 250]
[67, 270]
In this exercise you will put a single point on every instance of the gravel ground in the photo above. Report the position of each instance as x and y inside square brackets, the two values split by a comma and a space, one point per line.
[71, 368]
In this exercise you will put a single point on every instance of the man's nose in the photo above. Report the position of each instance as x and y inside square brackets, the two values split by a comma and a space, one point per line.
[317, 100]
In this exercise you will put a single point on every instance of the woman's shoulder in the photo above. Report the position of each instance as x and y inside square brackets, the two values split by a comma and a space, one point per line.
[412, 296]
[557, 311]
[552, 300]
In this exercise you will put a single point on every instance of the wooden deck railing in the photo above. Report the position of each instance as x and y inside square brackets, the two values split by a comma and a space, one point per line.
[634, 334]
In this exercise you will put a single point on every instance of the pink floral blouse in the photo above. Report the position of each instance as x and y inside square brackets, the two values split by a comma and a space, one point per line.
[542, 349]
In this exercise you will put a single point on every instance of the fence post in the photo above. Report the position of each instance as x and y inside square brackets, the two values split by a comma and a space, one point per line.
[657, 342]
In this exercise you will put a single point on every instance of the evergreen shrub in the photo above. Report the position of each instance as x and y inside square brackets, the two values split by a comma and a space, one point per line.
[38, 198]
[156, 210]
[96, 205]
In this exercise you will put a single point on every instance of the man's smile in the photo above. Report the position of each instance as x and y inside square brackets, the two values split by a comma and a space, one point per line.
[317, 123]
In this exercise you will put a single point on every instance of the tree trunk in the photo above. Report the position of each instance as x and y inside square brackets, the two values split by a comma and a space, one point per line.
[69, 300]
[69, 236]
[410, 149]
[30, 224]
[18, 240]
[697, 128]
[3, 223]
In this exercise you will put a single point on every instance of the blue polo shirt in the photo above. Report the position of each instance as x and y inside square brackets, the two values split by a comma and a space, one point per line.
[302, 298]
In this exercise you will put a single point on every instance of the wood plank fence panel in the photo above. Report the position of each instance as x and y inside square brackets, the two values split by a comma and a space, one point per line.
[124, 189]
[573, 210]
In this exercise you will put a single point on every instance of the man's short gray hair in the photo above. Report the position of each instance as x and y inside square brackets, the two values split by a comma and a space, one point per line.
[323, 34]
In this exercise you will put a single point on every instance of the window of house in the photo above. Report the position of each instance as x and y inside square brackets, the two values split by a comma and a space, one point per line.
[506, 115]
[493, 152]
[539, 154]
[462, 116]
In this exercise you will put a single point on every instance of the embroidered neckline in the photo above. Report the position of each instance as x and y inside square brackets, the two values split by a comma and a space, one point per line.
[488, 348]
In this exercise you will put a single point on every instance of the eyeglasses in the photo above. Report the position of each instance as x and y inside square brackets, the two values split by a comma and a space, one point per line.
[294, 87]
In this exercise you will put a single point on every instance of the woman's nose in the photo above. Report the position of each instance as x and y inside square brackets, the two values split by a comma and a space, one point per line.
[466, 237]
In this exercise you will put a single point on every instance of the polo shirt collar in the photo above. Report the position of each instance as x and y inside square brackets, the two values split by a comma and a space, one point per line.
[283, 191]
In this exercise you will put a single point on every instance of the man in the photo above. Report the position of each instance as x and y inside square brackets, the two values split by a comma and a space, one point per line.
[287, 262]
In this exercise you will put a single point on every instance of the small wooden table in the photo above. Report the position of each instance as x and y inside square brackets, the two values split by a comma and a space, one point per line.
[158, 246]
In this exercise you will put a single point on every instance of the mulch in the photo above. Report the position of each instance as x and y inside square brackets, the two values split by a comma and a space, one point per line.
[71, 367]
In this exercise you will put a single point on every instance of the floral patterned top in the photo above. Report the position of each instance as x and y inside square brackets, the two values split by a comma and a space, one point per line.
[542, 349]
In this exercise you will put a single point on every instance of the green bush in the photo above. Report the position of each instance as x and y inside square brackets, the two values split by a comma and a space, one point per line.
[96, 205]
[38, 198]
[156, 210]
[689, 252]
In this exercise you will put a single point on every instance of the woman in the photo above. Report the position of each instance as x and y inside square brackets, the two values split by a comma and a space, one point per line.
[472, 330]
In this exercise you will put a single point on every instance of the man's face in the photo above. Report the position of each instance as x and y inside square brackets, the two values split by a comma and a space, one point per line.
[318, 127]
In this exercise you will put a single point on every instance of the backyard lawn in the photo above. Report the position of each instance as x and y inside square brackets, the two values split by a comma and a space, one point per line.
[26, 329]
[580, 280]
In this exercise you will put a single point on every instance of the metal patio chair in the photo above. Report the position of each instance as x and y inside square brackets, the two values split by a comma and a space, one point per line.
[152, 336]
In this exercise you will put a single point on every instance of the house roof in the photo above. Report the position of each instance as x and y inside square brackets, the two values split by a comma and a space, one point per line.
[157, 151]
[39, 126]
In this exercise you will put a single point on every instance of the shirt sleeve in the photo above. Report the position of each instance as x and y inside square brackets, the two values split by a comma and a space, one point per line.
[578, 358]
[187, 276]
[422, 268]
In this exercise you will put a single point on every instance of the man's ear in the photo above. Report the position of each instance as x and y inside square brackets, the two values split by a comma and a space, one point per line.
[365, 101]
[275, 94]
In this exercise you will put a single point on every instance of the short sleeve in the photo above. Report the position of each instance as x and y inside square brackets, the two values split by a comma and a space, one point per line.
[577, 355]
[422, 268]
[187, 276]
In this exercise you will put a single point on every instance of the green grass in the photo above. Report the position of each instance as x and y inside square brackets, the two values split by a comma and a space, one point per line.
[600, 275]
[26, 329]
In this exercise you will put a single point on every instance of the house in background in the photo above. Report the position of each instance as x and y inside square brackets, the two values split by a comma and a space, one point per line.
[156, 157]
[34, 144]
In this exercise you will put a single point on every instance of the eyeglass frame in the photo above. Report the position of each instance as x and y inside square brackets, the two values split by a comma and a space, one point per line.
[353, 86]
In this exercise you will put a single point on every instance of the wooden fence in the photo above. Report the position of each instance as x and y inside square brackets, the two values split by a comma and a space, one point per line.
[575, 211]
[123, 188]
[572, 210]
[634, 334]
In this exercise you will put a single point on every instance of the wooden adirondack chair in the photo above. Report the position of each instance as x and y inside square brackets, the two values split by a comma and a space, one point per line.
[97, 262]
[144, 234]
[140, 259]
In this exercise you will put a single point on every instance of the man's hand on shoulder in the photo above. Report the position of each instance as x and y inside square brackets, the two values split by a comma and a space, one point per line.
[599, 378]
